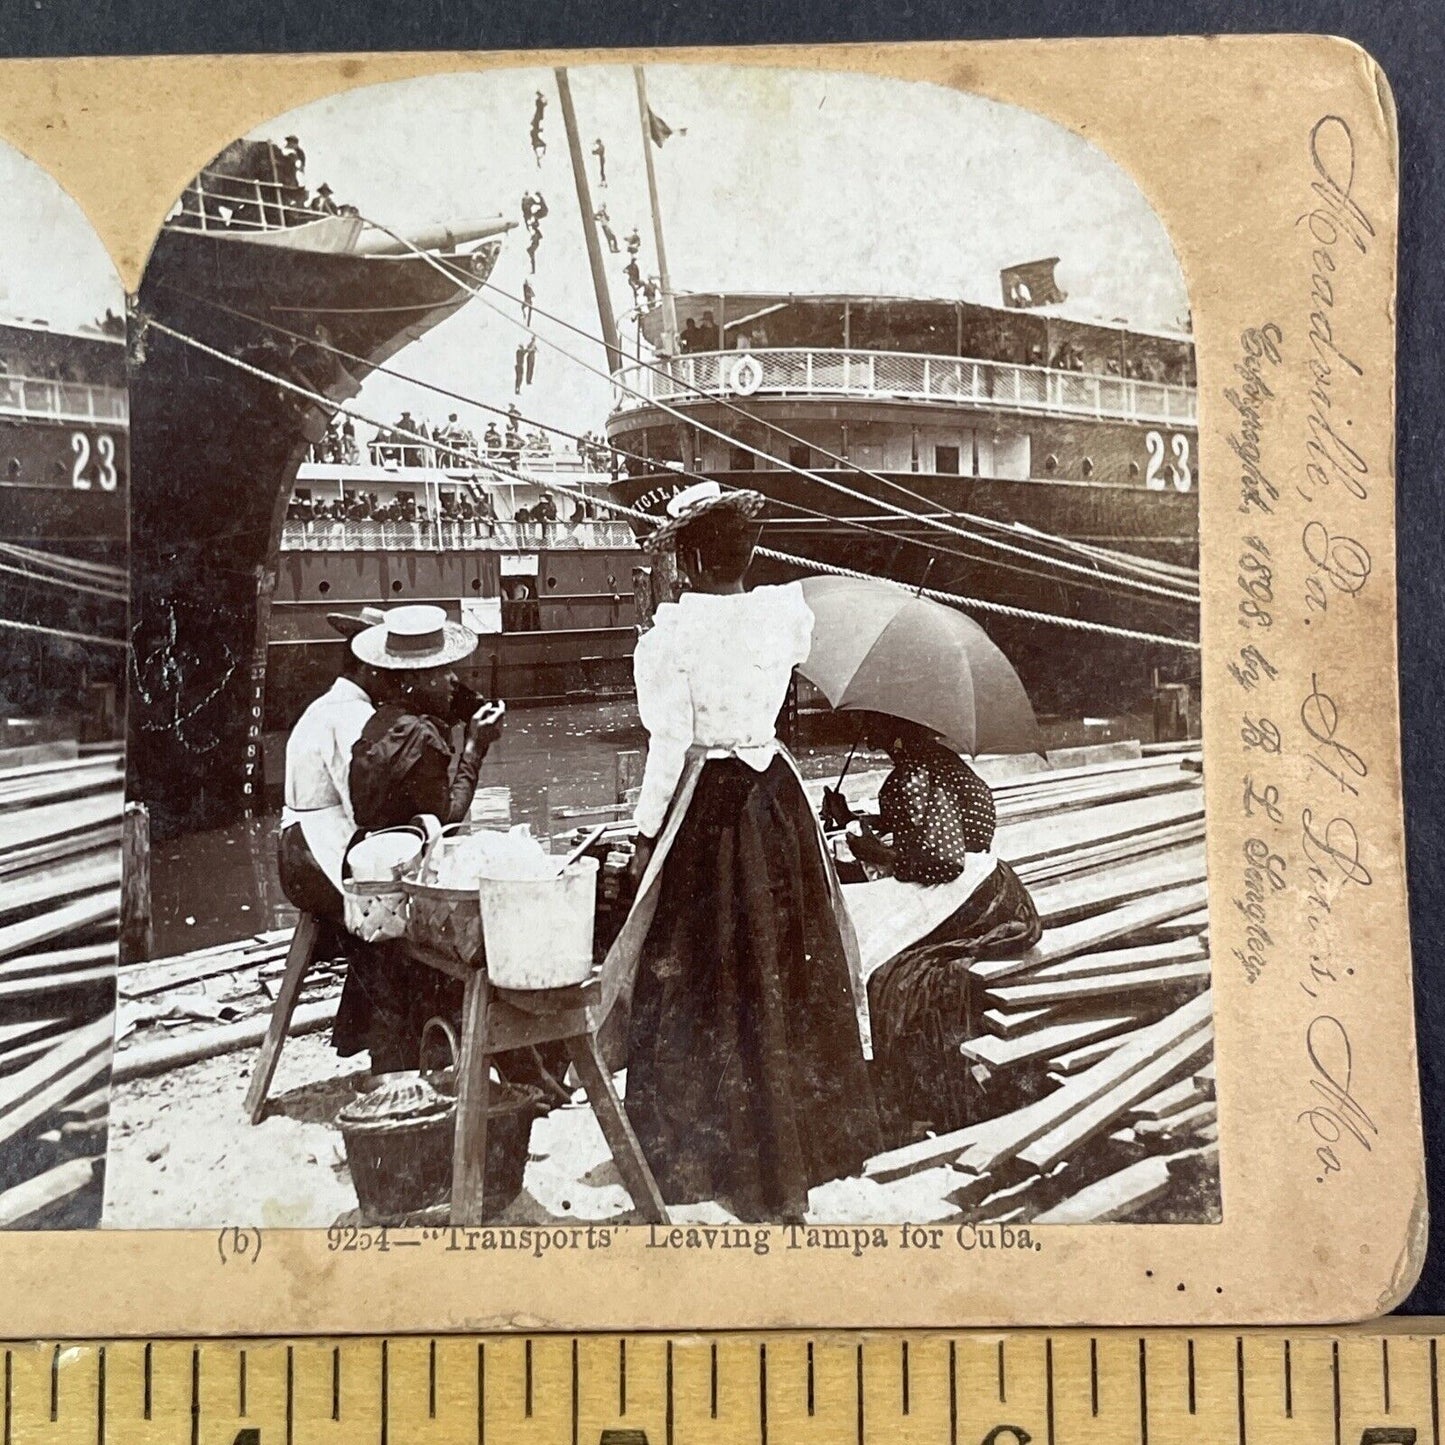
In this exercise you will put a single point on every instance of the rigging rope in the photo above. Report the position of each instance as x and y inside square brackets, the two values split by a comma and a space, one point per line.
[464, 282]
[1064, 543]
[60, 562]
[499, 411]
[1097, 581]
[69, 584]
[968, 603]
[19, 626]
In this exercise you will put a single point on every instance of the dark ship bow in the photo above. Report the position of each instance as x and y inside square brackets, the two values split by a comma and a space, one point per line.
[214, 452]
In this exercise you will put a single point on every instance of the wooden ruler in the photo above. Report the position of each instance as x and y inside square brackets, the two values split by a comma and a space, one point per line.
[1372, 1386]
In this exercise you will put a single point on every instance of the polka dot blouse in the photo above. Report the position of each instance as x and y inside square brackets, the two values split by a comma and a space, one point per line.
[938, 811]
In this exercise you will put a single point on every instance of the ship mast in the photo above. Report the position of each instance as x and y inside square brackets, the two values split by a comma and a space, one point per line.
[669, 309]
[589, 224]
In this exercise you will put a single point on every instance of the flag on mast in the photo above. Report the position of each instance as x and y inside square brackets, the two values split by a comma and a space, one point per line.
[658, 128]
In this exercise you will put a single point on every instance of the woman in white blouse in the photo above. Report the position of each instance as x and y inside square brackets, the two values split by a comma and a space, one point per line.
[746, 1077]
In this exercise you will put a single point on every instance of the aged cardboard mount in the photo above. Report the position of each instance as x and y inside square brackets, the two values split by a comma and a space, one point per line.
[1202, 1066]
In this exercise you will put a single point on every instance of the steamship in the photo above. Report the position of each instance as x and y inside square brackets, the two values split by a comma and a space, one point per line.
[257, 316]
[521, 548]
[1036, 462]
[64, 489]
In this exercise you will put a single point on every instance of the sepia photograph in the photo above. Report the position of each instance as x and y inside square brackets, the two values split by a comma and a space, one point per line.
[63, 593]
[666, 668]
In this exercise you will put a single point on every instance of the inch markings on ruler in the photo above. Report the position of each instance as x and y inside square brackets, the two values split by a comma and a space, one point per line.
[1114, 1387]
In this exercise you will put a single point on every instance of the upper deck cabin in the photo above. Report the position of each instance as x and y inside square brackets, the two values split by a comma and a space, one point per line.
[63, 377]
[1009, 359]
[391, 494]
[1041, 336]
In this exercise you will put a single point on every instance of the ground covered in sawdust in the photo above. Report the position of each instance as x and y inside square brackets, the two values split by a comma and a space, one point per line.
[182, 1155]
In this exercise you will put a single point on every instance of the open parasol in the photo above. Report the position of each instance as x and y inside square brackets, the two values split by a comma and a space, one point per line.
[879, 647]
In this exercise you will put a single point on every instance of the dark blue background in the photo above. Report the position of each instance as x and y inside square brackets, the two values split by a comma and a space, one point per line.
[1407, 37]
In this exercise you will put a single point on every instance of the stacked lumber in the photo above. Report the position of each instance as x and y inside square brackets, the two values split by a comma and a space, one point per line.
[1094, 1049]
[212, 1001]
[60, 847]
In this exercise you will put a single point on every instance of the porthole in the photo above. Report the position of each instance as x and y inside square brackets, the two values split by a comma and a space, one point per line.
[396, 586]
[1134, 470]
[1088, 466]
[323, 587]
[1051, 463]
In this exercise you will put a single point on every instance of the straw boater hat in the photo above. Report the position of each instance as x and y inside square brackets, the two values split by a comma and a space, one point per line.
[698, 501]
[413, 638]
[350, 624]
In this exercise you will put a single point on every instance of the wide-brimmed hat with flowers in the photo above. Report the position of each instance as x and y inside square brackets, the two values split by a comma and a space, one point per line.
[414, 637]
[698, 501]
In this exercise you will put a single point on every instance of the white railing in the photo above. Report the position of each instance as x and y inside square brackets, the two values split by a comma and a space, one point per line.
[215, 201]
[903, 376]
[473, 536]
[33, 398]
[453, 460]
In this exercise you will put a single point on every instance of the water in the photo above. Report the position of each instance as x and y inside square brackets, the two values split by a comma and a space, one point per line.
[554, 768]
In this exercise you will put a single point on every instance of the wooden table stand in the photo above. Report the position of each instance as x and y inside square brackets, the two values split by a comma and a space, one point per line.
[497, 1020]
[299, 958]
[494, 1021]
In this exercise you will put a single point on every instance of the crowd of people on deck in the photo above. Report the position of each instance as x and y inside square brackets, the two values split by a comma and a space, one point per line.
[255, 185]
[707, 335]
[741, 1014]
[415, 442]
[541, 518]
[338, 446]
[368, 507]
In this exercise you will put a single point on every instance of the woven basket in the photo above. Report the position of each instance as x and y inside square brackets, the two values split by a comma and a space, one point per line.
[448, 920]
[376, 910]
[399, 1138]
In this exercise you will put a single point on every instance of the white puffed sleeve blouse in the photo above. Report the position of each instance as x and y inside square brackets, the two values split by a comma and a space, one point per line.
[713, 671]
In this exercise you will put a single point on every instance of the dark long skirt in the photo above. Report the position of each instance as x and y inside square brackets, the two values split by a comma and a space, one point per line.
[746, 1079]
[923, 1004]
[386, 1000]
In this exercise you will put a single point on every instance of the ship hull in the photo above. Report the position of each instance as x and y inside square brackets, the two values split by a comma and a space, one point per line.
[214, 452]
[70, 482]
[577, 642]
[63, 511]
[1067, 670]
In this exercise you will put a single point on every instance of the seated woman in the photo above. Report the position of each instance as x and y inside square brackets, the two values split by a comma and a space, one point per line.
[403, 765]
[317, 825]
[952, 900]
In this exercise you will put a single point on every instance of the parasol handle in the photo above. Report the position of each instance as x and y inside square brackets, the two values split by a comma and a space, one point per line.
[848, 761]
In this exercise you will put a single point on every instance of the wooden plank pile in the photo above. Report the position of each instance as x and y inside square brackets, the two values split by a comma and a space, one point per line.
[60, 845]
[1095, 1049]
[193, 1006]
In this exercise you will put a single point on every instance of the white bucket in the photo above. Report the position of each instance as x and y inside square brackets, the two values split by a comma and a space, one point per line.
[537, 932]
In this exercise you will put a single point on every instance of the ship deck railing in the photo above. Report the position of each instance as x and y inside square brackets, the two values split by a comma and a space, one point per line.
[447, 464]
[805, 372]
[215, 201]
[36, 398]
[452, 458]
[436, 536]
